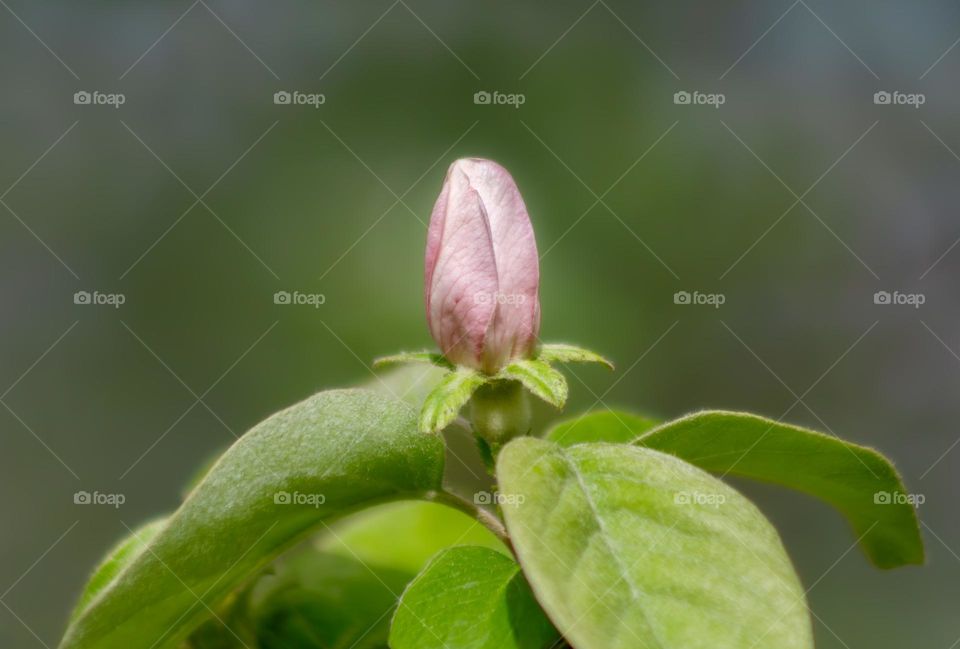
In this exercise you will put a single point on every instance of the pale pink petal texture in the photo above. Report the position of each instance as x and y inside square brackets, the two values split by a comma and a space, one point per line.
[482, 271]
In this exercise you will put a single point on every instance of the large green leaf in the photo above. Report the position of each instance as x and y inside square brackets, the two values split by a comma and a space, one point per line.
[600, 426]
[858, 481]
[629, 548]
[118, 558]
[332, 454]
[470, 598]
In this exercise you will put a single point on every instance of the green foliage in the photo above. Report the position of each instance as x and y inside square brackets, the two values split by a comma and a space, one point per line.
[858, 481]
[352, 448]
[118, 558]
[470, 598]
[861, 483]
[561, 353]
[627, 547]
[405, 535]
[622, 538]
[318, 600]
[431, 358]
[541, 379]
[453, 392]
[601, 426]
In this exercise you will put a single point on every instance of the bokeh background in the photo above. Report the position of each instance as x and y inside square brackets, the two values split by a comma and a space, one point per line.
[199, 198]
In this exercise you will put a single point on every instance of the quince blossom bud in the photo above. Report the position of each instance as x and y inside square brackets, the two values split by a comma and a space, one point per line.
[482, 273]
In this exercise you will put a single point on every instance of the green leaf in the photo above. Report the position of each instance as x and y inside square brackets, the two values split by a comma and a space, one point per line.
[405, 535]
[601, 426]
[118, 558]
[470, 598]
[443, 405]
[538, 377]
[308, 600]
[431, 358]
[858, 481]
[627, 547]
[560, 353]
[347, 581]
[334, 453]
[318, 600]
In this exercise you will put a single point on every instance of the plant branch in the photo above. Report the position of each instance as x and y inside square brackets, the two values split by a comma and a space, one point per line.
[484, 516]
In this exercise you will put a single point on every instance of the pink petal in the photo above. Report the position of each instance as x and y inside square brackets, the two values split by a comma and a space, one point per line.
[460, 270]
[516, 324]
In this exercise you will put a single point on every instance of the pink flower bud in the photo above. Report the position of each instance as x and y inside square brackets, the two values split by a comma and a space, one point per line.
[482, 268]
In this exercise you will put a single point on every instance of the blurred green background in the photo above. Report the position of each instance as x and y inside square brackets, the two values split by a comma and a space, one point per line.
[633, 198]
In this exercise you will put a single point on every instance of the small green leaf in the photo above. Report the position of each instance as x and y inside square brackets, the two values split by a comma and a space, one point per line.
[626, 547]
[858, 481]
[330, 455]
[538, 377]
[600, 426]
[560, 353]
[431, 358]
[443, 405]
[470, 598]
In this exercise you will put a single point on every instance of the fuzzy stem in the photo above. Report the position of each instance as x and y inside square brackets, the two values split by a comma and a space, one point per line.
[484, 516]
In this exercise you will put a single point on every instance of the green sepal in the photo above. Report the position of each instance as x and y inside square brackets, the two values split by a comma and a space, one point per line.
[562, 353]
[443, 404]
[431, 358]
[540, 378]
